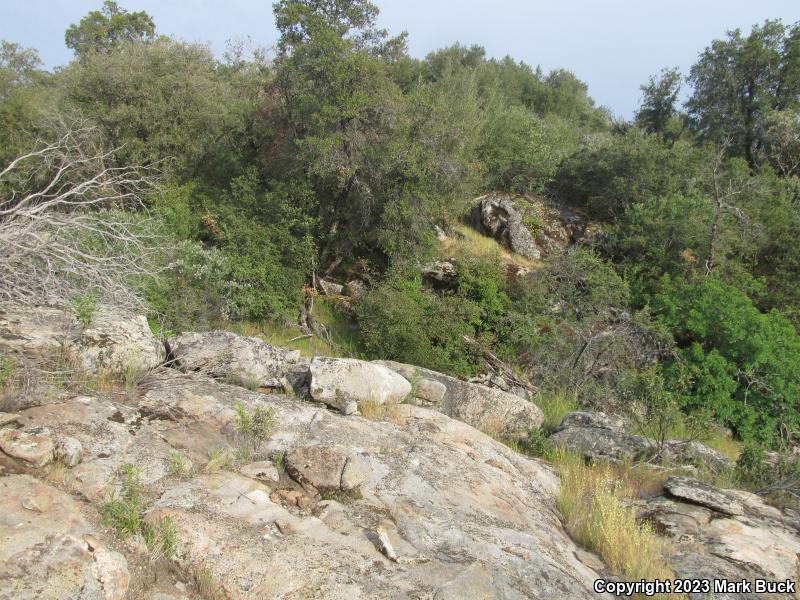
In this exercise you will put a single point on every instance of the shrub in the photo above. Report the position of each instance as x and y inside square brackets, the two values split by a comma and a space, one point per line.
[775, 476]
[654, 409]
[255, 427]
[85, 307]
[611, 175]
[400, 320]
[522, 151]
[741, 364]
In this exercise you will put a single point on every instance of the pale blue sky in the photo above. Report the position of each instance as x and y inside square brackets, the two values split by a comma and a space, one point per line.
[613, 45]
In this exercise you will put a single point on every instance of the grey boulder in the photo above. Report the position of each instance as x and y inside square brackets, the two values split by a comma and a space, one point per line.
[115, 340]
[236, 358]
[488, 409]
[343, 383]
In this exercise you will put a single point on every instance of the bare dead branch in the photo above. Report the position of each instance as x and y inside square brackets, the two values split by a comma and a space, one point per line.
[72, 224]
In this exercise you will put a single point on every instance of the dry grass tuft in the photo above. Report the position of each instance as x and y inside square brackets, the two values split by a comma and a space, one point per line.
[373, 410]
[475, 244]
[593, 501]
[221, 459]
[724, 443]
[207, 587]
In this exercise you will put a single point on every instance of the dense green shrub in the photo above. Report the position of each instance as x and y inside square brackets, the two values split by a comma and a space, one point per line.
[613, 172]
[400, 320]
[741, 363]
[521, 151]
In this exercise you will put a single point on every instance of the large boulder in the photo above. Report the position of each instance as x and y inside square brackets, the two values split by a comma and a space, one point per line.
[488, 409]
[600, 435]
[600, 442]
[441, 275]
[326, 467]
[597, 420]
[496, 216]
[527, 225]
[114, 341]
[48, 550]
[233, 357]
[119, 341]
[344, 383]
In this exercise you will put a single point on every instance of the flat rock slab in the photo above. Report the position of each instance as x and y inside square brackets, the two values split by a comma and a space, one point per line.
[49, 551]
[703, 494]
[770, 550]
[454, 504]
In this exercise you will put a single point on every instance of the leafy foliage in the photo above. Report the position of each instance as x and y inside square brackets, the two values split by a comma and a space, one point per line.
[104, 29]
[609, 176]
[340, 157]
[738, 81]
[738, 360]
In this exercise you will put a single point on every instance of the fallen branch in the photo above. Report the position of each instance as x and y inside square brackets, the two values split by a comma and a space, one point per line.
[499, 367]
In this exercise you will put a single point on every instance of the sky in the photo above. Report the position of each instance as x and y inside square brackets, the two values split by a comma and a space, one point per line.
[612, 45]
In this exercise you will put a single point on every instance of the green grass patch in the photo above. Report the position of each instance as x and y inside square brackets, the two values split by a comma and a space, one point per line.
[124, 512]
[343, 330]
[555, 405]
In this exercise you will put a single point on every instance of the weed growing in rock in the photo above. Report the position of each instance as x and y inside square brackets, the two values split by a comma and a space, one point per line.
[220, 459]
[370, 409]
[206, 587]
[178, 466]
[161, 539]
[373, 410]
[414, 380]
[255, 426]
[279, 458]
[85, 308]
[342, 496]
[124, 512]
[7, 367]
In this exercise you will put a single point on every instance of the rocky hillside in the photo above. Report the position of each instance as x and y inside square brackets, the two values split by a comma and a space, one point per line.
[218, 466]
